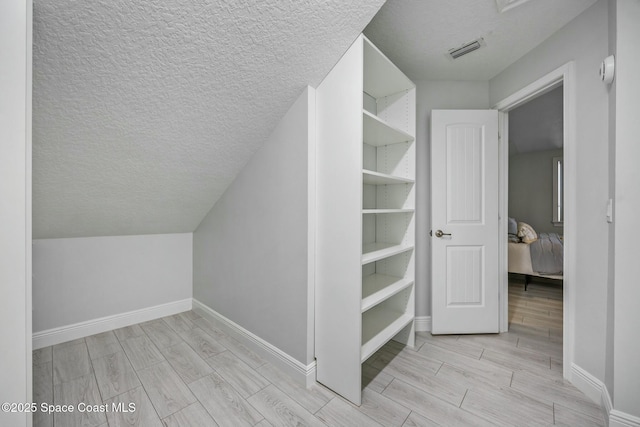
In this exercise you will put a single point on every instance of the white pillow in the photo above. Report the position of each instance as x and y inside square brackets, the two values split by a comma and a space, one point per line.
[526, 232]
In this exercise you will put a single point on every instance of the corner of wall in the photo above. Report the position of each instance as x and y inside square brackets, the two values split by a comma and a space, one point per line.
[312, 222]
[301, 373]
[598, 392]
[252, 253]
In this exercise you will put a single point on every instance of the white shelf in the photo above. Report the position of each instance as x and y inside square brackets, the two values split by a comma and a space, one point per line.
[377, 178]
[379, 287]
[377, 132]
[386, 211]
[366, 167]
[379, 325]
[376, 251]
[381, 76]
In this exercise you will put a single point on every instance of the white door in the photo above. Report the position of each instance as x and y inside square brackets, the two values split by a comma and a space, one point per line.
[464, 221]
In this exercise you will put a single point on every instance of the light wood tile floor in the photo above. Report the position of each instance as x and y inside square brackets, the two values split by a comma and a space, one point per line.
[183, 370]
[540, 306]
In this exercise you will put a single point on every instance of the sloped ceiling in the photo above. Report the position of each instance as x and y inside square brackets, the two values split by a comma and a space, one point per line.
[537, 125]
[417, 34]
[144, 111]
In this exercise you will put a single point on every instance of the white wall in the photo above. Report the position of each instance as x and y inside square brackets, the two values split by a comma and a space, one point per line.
[85, 278]
[434, 94]
[531, 189]
[251, 252]
[15, 206]
[626, 392]
[583, 40]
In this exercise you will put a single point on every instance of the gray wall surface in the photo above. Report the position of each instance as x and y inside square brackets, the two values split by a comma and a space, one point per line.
[85, 278]
[583, 40]
[430, 95]
[531, 189]
[251, 250]
[627, 206]
[609, 371]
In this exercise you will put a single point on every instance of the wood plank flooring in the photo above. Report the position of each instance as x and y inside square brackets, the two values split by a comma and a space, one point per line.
[540, 306]
[184, 370]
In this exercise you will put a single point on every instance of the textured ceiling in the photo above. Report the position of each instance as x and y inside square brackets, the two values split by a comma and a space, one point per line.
[417, 34]
[537, 125]
[144, 111]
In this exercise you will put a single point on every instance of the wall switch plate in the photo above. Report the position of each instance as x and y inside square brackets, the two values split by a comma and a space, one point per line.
[610, 211]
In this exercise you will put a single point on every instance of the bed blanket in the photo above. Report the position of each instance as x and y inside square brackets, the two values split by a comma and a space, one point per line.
[547, 254]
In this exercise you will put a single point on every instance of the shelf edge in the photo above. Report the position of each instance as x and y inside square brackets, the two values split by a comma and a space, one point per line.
[384, 253]
[374, 344]
[387, 292]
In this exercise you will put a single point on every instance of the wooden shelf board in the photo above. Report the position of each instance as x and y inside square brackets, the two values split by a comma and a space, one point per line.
[377, 132]
[379, 287]
[377, 178]
[376, 251]
[379, 325]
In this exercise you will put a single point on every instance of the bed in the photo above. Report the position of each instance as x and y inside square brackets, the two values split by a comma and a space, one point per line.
[535, 255]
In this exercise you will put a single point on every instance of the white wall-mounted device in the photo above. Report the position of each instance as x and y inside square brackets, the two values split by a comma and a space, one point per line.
[607, 69]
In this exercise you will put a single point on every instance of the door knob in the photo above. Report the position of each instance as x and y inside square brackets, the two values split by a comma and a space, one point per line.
[440, 233]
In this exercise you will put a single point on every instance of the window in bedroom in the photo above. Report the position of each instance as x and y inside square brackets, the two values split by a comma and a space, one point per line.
[558, 192]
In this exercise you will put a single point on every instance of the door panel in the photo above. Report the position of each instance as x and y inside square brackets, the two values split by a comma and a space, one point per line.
[464, 173]
[464, 274]
[464, 167]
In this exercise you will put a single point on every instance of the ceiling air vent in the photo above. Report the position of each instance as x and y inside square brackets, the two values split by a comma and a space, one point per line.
[466, 48]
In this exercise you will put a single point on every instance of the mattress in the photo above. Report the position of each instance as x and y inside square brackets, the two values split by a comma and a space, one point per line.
[520, 261]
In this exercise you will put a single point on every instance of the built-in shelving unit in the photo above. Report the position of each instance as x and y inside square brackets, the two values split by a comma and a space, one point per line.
[366, 215]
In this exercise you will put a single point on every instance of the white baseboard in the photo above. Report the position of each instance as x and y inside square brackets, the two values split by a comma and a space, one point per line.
[597, 391]
[607, 404]
[423, 323]
[587, 383]
[622, 419]
[104, 324]
[303, 374]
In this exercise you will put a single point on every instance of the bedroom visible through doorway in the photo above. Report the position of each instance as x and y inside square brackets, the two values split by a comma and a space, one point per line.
[535, 217]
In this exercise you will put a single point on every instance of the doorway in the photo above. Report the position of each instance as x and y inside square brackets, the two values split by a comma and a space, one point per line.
[562, 77]
[535, 218]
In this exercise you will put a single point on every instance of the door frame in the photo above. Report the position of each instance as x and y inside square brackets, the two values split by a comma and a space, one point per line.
[16, 44]
[565, 76]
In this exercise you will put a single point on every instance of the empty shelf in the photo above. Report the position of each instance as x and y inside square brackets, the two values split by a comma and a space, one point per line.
[377, 178]
[377, 132]
[379, 325]
[379, 287]
[386, 211]
[375, 251]
[381, 76]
